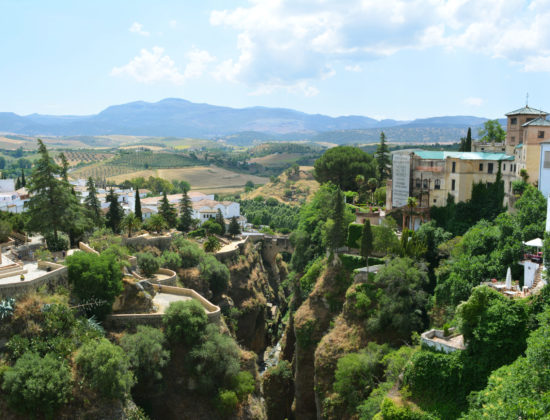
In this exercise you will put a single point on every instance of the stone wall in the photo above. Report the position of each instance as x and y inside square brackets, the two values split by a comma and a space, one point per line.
[53, 279]
[160, 242]
[170, 281]
[87, 248]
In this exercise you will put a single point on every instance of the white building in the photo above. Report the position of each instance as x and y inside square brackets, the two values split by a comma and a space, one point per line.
[208, 209]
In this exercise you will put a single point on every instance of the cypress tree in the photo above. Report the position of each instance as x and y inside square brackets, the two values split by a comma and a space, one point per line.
[383, 158]
[366, 241]
[220, 220]
[137, 208]
[17, 183]
[469, 140]
[167, 211]
[92, 203]
[186, 213]
[64, 167]
[23, 181]
[336, 233]
[234, 227]
[115, 213]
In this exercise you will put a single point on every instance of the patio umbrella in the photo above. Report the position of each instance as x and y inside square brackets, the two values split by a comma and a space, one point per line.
[537, 243]
[509, 278]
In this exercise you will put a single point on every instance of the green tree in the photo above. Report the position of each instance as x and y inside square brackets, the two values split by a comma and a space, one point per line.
[106, 368]
[215, 272]
[466, 142]
[372, 184]
[186, 213]
[148, 263]
[92, 203]
[96, 278]
[234, 227]
[185, 322]
[38, 385]
[278, 386]
[336, 230]
[146, 352]
[412, 203]
[342, 164]
[137, 206]
[64, 167]
[492, 131]
[168, 212]
[130, 222]
[212, 244]
[155, 223]
[49, 199]
[531, 213]
[366, 241]
[383, 158]
[221, 221]
[115, 212]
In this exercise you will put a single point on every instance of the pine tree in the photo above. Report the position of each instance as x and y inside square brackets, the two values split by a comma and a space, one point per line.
[186, 213]
[137, 207]
[221, 221]
[115, 213]
[167, 211]
[49, 198]
[366, 241]
[23, 181]
[64, 167]
[92, 203]
[234, 227]
[383, 158]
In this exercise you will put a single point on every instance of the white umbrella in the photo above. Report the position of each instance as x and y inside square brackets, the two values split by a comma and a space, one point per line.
[537, 242]
[509, 278]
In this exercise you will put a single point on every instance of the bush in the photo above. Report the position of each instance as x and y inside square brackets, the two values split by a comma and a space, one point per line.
[244, 384]
[212, 244]
[148, 263]
[226, 402]
[308, 280]
[391, 411]
[278, 387]
[189, 251]
[212, 227]
[145, 350]
[197, 233]
[96, 278]
[59, 244]
[215, 272]
[355, 231]
[171, 260]
[272, 202]
[106, 368]
[5, 230]
[216, 362]
[185, 321]
[38, 385]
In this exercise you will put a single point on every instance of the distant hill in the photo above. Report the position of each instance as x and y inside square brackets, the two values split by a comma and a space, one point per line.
[180, 118]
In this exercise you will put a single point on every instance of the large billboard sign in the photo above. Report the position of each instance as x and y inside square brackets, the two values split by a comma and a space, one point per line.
[401, 170]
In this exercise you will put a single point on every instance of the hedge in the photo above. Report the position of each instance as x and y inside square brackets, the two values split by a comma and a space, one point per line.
[352, 262]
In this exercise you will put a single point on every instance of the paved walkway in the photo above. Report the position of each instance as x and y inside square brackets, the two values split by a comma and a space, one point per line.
[163, 300]
[231, 247]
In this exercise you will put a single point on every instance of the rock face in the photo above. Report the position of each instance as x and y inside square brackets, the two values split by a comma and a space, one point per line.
[136, 298]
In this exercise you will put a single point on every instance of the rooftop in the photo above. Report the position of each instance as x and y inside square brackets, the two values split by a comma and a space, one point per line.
[541, 121]
[527, 110]
[440, 155]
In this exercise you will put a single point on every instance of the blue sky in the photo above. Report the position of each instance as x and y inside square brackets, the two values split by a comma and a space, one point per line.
[400, 59]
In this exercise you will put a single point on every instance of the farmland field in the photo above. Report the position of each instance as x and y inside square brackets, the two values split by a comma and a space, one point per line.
[204, 178]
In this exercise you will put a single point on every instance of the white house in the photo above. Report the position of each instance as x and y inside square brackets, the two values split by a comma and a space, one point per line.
[207, 209]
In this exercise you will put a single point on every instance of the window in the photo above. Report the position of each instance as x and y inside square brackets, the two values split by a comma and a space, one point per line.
[510, 187]
[513, 121]
[417, 182]
[513, 139]
[546, 160]
[453, 185]
[437, 183]
[490, 167]
[503, 167]
[425, 184]
[541, 135]
[431, 163]
[529, 119]
[454, 167]
[481, 167]
[482, 149]
[435, 201]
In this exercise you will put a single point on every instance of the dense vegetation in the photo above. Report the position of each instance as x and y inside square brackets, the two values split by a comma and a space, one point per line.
[270, 212]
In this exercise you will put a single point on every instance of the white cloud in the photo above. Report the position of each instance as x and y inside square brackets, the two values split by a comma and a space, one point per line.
[155, 66]
[473, 101]
[285, 42]
[173, 23]
[137, 28]
[355, 68]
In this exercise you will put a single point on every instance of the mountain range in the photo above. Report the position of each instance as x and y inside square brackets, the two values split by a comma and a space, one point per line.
[174, 117]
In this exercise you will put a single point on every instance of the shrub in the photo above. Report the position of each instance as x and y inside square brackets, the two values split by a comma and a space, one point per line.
[391, 411]
[308, 280]
[244, 384]
[171, 260]
[215, 272]
[212, 244]
[5, 230]
[38, 385]
[278, 386]
[226, 402]
[146, 353]
[189, 251]
[216, 361]
[212, 227]
[148, 263]
[106, 368]
[197, 233]
[184, 321]
[272, 202]
[355, 231]
[59, 244]
[95, 278]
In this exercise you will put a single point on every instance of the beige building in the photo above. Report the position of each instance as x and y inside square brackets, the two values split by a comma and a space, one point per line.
[527, 154]
[515, 127]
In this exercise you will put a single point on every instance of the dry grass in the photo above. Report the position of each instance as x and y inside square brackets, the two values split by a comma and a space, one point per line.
[204, 178]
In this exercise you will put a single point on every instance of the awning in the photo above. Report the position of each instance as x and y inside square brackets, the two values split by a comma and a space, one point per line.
[537, 242]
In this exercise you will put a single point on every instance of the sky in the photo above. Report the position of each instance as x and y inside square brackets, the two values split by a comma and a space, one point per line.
[400, 59]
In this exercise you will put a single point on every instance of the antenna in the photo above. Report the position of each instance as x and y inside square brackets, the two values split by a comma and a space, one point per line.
[527, 100]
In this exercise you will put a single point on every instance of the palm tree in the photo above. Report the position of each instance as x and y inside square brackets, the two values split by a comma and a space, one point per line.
[359, 180]
[372, 184]
[412, 203]
[156, 222]
[131, 223]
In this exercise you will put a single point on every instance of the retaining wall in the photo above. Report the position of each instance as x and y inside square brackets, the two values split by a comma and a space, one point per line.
[87, 248]
[160, 242]
[170, 281]
[53, 279]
